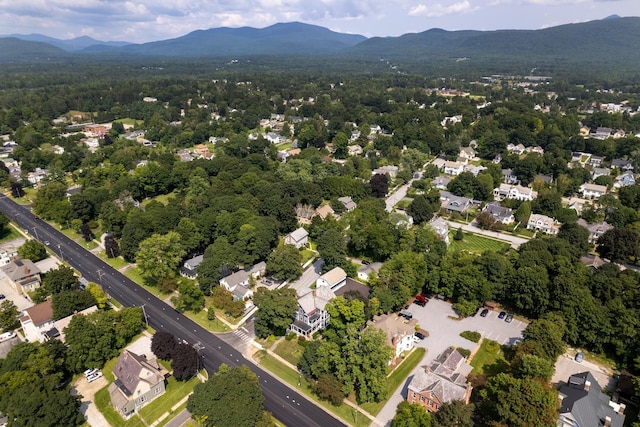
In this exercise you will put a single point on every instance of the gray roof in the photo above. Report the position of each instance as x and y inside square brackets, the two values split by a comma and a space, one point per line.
[130, 369]
[349, 204]
[18, 269]
[299, 234]
[584, 402]
[497, 211]
[194, 262]
[236, 278]
[446, 377]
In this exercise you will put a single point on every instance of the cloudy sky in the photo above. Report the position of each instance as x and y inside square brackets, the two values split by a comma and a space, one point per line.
[162, 19]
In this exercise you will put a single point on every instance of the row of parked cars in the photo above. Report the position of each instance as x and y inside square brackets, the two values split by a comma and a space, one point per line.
[508, 317]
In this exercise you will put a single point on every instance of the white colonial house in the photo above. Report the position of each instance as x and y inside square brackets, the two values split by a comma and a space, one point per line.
[453, 168]
[543, 223]
[592, 191]
[518, 192]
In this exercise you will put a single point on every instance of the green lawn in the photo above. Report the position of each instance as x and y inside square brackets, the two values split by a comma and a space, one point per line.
[489, 359]
[116, 263]
[307, 254]
[162, 198]
[201, 319]
[290, 351]
[290, 376]
[476, 243]
[397, 377]
[103, 403]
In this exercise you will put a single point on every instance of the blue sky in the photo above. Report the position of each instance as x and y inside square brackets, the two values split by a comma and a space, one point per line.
[162, 19]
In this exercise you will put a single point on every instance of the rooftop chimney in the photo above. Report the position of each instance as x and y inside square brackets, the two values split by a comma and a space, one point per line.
[587, 385]
[607, 422]
[621, 408]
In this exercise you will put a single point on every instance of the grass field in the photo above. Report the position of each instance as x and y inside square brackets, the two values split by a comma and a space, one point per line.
[10, 233]
[489, 359]
[290, 351]
[201, 319]
[163, 198]
[476, 243]
[116, 263]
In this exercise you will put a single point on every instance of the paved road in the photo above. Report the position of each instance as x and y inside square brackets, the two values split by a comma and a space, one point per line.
[308, 277]
[393, 198]
[288, 406]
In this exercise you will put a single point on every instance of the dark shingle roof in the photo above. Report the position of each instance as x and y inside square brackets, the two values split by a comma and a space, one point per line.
[584, 402]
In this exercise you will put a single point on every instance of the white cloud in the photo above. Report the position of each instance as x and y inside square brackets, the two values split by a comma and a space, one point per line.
[438, 9]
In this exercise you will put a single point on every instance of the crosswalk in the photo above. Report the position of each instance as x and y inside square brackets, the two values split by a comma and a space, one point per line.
[243, 334]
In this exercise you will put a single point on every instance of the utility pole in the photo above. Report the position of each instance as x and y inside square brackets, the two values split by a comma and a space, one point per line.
[61, 254]
[100, 273]
[35, 231]
[144, 312]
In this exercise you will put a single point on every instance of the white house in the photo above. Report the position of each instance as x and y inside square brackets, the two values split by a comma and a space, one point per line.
[592, 191]
[365, 270]
[334, 279]
[298, 238]
[518, 192]
[624, 180]
[453, 168]
[543, 223]
[398, 330]
[238, 284]
[311, 316]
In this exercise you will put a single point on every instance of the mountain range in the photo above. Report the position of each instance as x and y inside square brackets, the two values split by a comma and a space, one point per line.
[610, 41]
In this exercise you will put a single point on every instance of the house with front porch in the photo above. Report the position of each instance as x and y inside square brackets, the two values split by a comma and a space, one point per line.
[543, 223]
[311, 316]
[517, 192]
[399, 332]
[592, 191]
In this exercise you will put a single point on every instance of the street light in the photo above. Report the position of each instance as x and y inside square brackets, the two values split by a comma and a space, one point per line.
[144, 312]
[35, 231]
[61, 254]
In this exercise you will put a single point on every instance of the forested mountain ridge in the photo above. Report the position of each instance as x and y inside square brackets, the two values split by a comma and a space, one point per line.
[607, 42]
[70, 45]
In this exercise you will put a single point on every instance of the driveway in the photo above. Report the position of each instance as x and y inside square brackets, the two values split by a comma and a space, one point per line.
[88, 408]
[308, 278]
[438, 318]
[21, 302]
[567, 366]
[515, 241]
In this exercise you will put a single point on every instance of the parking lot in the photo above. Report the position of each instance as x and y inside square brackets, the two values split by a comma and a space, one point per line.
[440, 320]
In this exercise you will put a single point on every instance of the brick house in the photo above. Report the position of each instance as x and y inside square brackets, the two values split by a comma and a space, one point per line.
[23, 275]
[443, 381]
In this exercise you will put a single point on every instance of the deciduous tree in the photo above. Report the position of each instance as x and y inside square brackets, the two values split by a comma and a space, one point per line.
[411, 415]
[163, 345]
[284, 263]
[159, 255]
[8, 316]
[276, 310]
[33, 250]
[232, 397]
[185, 361]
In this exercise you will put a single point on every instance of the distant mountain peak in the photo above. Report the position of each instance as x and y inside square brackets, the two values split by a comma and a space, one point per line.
[613, 17]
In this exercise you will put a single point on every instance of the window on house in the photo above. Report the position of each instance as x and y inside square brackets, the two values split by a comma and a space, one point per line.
[422, 398]
[143, 398]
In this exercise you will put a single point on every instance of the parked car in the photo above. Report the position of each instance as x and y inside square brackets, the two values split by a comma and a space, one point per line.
[420, 300]
[406, 314]
[484, 312]
[509, 318]
[579, 357]
[419, 335]
[90, 372]
[92, 378]
[2, 296]
[502, 314]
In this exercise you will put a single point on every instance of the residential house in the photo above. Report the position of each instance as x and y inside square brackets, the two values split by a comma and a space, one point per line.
[592, 261]
[626, 179]
[518, 192]
[257, 270]
[537, 150]
[474, 170]
[596, 229]
[453, 168]
[595, 161]
[334, 279]
[298, 238]
[304, 213]
[238, 284]
[443, 381]
[398, 330]
[623, 164]
[509, 177]
[23, 275]
[601, 133]
[365, 270]
[60, 325]
[453, 203]
[579, 157]
[6, 255]
[374, 129]
[439, 163]
[441, 228]
[582, 403]
[324, 211]
[401, 219]
[440, 182]
[467, 153]
[138, 381]
[311, 316]
[354, 150]
[516, 149]
[390, 170]
[348, 203]
[37, 322]
[543, 223]
[37, 175]
[592, 191]
[499, 213]
[190, 267]
[596, 172]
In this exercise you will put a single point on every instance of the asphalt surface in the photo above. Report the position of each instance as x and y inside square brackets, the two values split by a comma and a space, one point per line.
[288, 406]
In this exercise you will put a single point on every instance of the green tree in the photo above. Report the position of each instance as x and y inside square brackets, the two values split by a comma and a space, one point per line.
[159, 255]
[98, 294]
[275, 311]
[284, 263]
[576, 235]
[411, 415]
[519, 402]
[8, 316]
[619, 244]
[547, 333]
[191, 298]
[420, 210]
[379, 184]
[531, 366]
[328, 388]
[66, 303]
[453, 414]
[59, 280]
[32, 250]
[218, 256]
[191, 237]
[232, 396]
[523, 212]
[343, 313]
